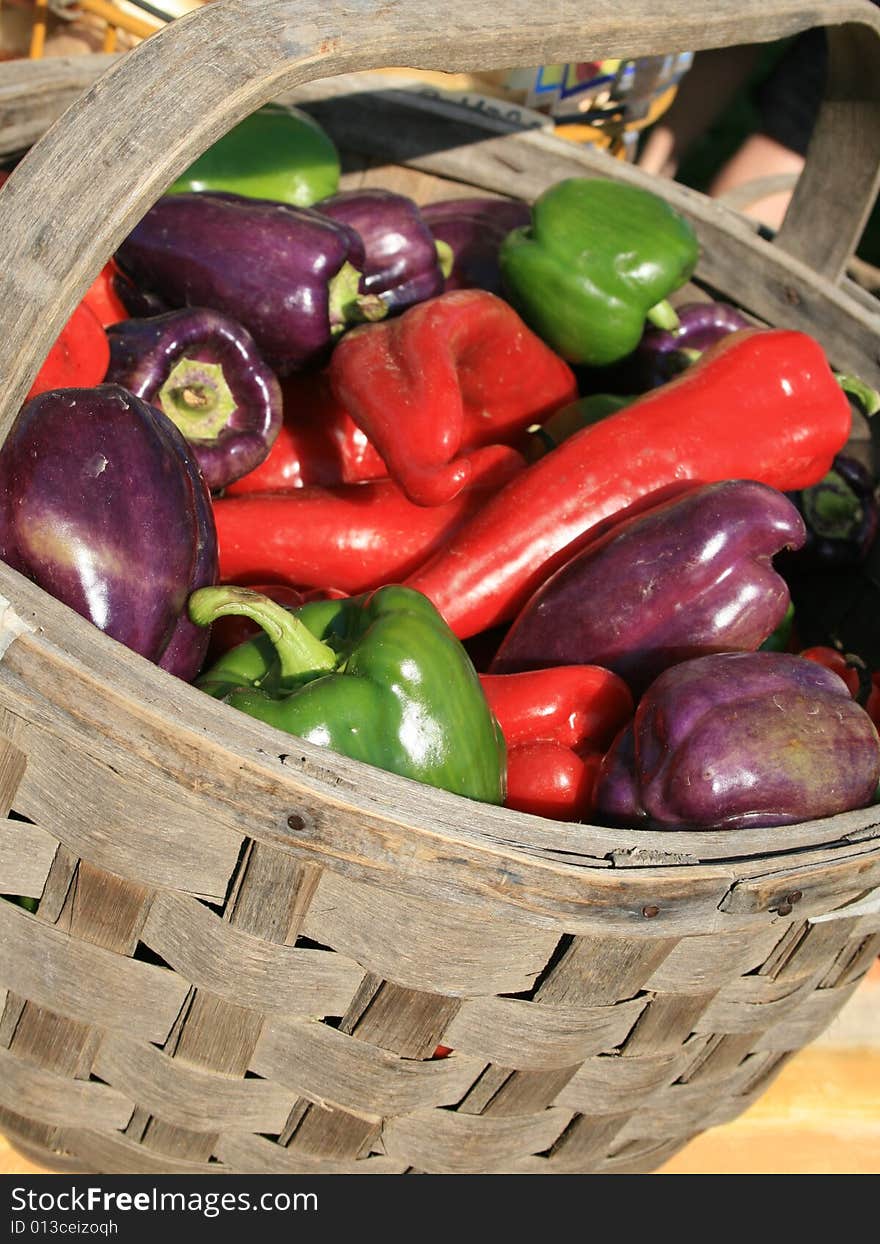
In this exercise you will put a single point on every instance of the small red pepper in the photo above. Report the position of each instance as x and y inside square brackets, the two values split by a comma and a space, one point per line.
[436, 384]
[318, 443]
[762, 404]
[102, 296]
[558, 724]
[78, 359]
[355, 537]
[862, 683]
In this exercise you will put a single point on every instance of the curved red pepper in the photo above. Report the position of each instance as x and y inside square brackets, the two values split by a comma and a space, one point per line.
[447, 377]
[318, 443]
[762, 404]
[557, 724]
[79, 357]
[353, 537]
[102, 296]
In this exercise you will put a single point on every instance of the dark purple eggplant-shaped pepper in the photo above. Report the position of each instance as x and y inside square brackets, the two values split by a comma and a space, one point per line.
[204, 371]
[402, 263]
[290, 275]
[102, 505]
[841, 515]
[474, 229]
[740, 740]
[690, 576]
[662, 354]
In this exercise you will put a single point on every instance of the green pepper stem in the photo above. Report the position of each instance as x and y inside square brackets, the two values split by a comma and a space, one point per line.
[867, 398]
[346, 305]
[300, 653]
[663, 315]
[445, 256]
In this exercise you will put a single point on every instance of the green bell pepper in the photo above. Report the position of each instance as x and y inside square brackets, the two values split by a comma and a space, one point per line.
[278, 152]
[379, 677]
[599, 258]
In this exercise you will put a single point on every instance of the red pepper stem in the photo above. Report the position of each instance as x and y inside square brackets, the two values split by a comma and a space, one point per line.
[663, 315]
[300, 653]
[867, 398]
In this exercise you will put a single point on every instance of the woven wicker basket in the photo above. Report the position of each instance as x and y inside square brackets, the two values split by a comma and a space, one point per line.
[247, 948]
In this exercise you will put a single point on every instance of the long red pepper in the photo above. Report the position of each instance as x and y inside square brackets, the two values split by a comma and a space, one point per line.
[557, 724]
[353, 537]
[433, 386]
[762, 404]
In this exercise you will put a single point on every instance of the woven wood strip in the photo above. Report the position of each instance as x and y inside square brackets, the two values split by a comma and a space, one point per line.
[248, 970]
[85, 982]
[666, 1023]
[697, 964]
[517, 1033]
[43, 1095]
[188, 1096]
[110, 1153]
[753, 1003]
[597, 971]
[403, 1020]
[587, 1138]
[721, 1056]
[607, 1084]
[329, 1066]
[254, 1155]
[504, 1092]
[89, 807]
[448, 948]
[814, 1013]
[26, 855]
[13, 763]
[443, 1142]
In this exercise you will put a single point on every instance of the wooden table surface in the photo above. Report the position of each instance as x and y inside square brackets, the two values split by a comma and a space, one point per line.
[821, 1116]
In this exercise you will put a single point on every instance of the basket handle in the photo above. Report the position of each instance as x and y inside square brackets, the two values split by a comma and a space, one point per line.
[88, 181]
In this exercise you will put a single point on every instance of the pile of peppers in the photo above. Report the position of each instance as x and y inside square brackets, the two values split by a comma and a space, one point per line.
[478, 493]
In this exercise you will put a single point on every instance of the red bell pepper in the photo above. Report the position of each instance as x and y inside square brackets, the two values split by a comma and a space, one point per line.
[78, 359]
[318, 443]
[353, 537]
[433, 386]
[762, 404]
[102, 296]
[557, 723]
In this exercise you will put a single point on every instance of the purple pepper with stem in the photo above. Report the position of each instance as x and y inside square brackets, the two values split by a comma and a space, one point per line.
[203, 370]
[689, 576]
[290, 275]
[662, 353]
[403, 264]
[473, 229]
[103, 506]
[841, 516]
[740, 740]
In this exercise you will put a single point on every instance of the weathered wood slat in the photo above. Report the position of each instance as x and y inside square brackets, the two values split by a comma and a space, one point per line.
[332, 1068]
[86, 982]
[57, 1100]
[443, 1142]
[606, 1084]
[26, 855]
[266, 977]
[515, 1033]
[256, 1156]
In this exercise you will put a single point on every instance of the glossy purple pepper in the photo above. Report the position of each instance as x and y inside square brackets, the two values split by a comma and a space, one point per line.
[662, 354]
[740, 740]
[102, 505]
[204, 371]
[474, 229]
[290, 275]
[401, 261]
[690, 576]
[841, 516]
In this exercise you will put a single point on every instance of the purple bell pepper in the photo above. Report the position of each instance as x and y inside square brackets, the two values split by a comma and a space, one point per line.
[690, 576]
[740, 740]
[841, 515]
[402, 264]
[474, 229]
[102, 505]
[290, 275]
[204, 371]
[662, 354]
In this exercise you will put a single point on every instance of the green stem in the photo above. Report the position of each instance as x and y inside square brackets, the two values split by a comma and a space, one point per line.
[663, 315]
[445, 256]
[300, 653]
[347, 306]
[867, 398]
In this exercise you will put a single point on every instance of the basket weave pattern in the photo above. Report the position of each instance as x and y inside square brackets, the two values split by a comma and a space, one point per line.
[284, 1030]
